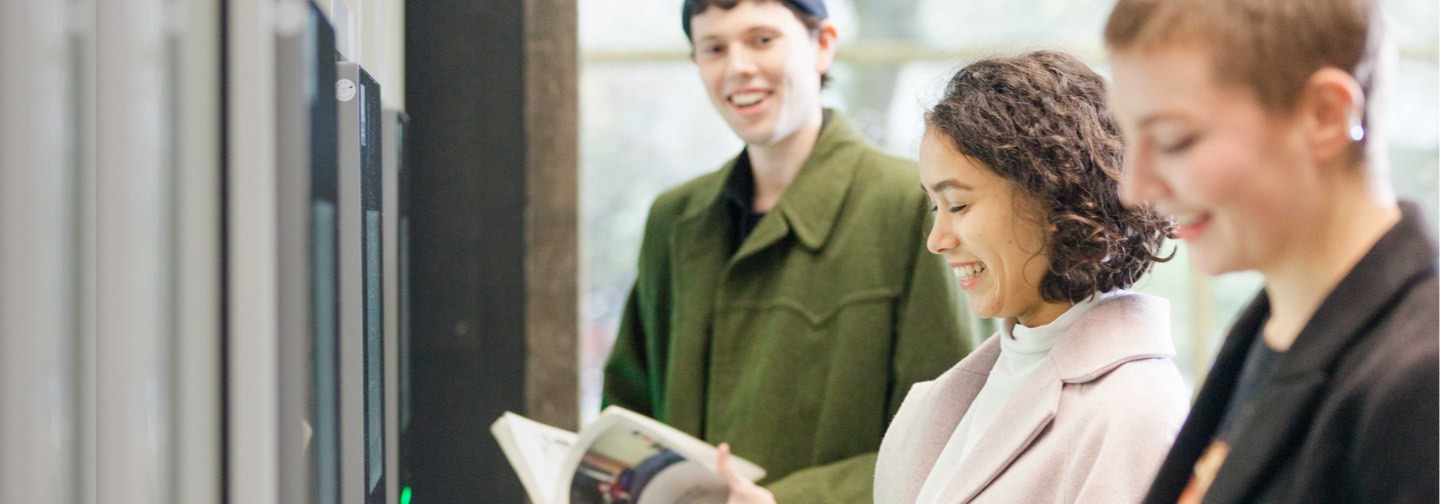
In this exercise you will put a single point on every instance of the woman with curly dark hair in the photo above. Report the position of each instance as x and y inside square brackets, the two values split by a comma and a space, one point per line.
[1075, 398]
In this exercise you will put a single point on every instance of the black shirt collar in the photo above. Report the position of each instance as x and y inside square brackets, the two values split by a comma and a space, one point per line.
[739, 195]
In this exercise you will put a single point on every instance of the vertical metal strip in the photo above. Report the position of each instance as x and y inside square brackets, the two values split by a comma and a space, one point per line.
[352, 271]
[135, 251]
[195, 43]
[84, 45]
[252, 437]
[389, 188]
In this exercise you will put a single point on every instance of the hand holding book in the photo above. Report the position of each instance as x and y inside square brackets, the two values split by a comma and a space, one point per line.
[742, 491]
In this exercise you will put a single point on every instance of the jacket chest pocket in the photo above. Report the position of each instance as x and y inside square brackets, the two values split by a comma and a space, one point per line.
[804, 329]
[809, 313]
[794, 355]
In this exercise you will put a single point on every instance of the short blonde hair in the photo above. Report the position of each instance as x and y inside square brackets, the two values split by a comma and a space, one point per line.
[1270, 47]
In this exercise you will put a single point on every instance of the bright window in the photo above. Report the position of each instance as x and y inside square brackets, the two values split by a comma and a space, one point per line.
[647, 126]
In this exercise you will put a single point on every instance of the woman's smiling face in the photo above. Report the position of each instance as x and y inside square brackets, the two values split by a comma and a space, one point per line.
[984, 226]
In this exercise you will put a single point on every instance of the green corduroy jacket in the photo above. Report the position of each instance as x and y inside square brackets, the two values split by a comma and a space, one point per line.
[798, 348]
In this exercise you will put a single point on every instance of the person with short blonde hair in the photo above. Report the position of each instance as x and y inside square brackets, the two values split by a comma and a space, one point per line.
[1254, 125]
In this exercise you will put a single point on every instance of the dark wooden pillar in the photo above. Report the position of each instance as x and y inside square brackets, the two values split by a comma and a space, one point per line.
[552, 104]
[492, 98]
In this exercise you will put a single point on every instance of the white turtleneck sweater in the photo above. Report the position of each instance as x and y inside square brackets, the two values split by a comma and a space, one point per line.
[1022, 349]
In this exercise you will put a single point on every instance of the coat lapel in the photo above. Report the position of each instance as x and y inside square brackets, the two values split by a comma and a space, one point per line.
[811, 204]
[1019, 424]
[1295, 389]
[770, 230]
[945, 404]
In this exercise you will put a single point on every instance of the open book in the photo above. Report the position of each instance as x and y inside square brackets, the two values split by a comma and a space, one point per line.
[622, 457]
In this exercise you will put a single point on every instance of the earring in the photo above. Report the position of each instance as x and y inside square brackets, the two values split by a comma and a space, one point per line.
[1357, 132]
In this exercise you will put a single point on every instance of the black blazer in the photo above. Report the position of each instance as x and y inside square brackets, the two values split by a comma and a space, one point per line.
[1351, 412]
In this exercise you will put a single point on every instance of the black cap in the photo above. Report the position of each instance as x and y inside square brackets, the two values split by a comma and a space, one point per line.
[812, 7]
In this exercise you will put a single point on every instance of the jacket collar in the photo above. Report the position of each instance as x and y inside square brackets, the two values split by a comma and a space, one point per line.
[1124, 328]
[811, 205]
[1403, 256]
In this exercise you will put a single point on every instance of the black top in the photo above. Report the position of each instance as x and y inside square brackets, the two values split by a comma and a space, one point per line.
[1351, 412]
[1259, 362]
[740, 201]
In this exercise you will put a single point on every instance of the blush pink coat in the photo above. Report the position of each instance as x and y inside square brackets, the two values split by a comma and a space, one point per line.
[1092, 424]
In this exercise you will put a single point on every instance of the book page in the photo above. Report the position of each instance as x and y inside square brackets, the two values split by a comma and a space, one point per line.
[625, 465]
[633, 459]
[540, 450]
[703, 453]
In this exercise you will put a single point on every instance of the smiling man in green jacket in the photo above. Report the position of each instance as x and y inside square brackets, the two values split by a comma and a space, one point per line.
[785, 303]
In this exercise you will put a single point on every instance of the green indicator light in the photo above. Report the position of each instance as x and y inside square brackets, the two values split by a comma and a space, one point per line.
[405, 495]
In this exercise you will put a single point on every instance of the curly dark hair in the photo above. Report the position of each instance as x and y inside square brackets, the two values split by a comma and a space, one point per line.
[1041, 121]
